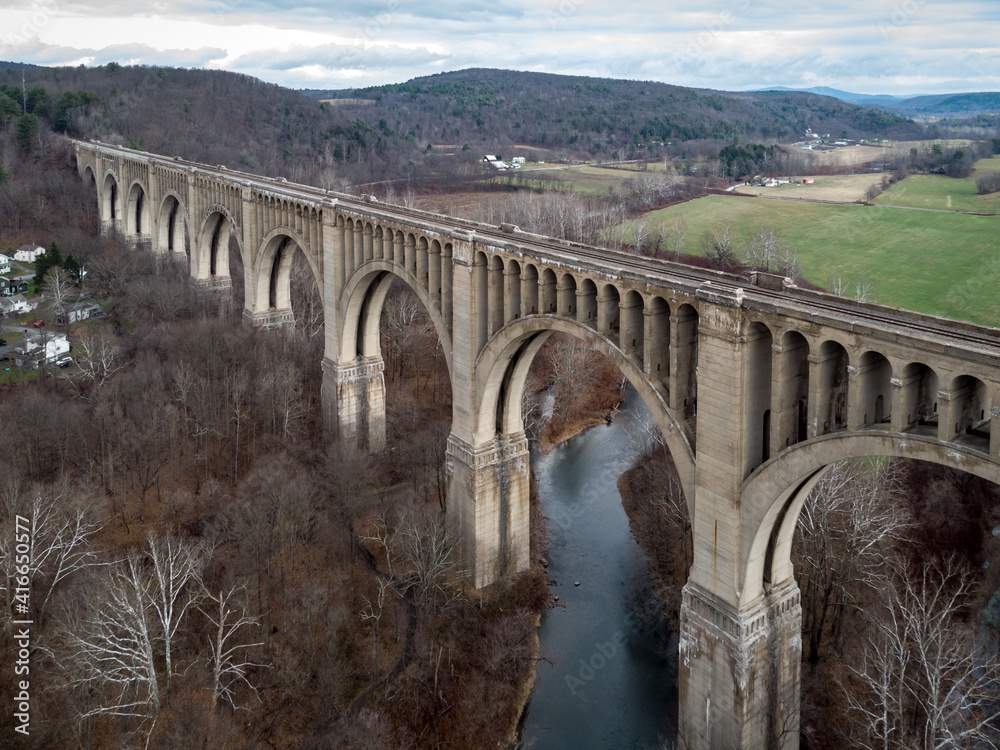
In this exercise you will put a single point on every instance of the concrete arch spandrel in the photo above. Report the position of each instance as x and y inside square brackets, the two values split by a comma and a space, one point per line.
[89, 176]
[771, 498]
[201, 252]
[497, 356]
[161, 241]
[259, 270]
[371, 284]
[111, 197]
[138, 214]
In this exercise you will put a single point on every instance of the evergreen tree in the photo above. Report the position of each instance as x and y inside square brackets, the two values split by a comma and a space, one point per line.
[27, 130]
[51, 258]
[72, 267]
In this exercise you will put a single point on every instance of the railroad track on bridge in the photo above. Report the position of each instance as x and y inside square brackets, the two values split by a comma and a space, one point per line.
[612, 261]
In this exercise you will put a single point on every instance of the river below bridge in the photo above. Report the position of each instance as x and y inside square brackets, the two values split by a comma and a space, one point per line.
[608, 675]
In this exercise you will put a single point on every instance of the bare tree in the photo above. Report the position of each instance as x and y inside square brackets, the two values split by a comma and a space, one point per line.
[848, 526]
[573, 366]
[145, 441]
[97, 359]
[60, 547]
[429, 568]
[306, 301]
[372, 613]
[924, 678]
[229, 642]
[678, 237]
[177, 567]
[110, 652]
[720, 245]
[59, 290]
[765, 247]
[407, 330]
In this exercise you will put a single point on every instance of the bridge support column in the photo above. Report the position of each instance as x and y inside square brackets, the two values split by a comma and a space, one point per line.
[739, 673]
[354, 401]
[488, 494]
[740, 670]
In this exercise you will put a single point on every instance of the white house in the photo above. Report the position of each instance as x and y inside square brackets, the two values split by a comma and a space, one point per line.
[16, 304]
[56, 346]
[4, 263]
[492, 161]
[28, 253]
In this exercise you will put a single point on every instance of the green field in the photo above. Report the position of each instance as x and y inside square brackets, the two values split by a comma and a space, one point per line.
[945, 193]
[936, 191]
[939, 263]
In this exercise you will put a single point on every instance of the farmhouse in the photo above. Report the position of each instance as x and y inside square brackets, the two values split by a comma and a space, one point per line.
[495, 162]
[28, 253]
[14, 305]
[55, 346]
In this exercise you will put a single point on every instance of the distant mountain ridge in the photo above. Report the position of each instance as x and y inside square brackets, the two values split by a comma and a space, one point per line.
[943, 105]
[847, 96]
[913, 105]
[6, 65]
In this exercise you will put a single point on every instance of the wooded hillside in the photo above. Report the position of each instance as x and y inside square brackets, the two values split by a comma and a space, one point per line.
[598, 116]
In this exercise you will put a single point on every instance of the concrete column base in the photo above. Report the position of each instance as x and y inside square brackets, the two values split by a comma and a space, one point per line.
[109, 228]
[354, 401]
[488, 494]
[139, 239]
[270, 318]
[211, 285]
[740, 670]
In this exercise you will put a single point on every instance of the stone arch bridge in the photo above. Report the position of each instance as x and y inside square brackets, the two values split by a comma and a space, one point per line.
[757, 386]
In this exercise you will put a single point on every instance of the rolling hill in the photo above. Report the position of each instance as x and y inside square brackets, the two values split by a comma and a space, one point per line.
[488, 108]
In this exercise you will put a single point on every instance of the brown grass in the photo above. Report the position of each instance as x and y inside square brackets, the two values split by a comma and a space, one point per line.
[831, 188]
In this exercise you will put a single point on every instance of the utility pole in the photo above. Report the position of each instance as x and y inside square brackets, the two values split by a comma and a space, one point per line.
[24, 95]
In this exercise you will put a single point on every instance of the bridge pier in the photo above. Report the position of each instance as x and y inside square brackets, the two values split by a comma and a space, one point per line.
[488, 494]
[354, 401]
[740, 670]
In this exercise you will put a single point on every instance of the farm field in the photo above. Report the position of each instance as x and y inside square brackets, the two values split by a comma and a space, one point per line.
[847, 155]
[988, 165]
[936, 191]
[946, 193]
[937, 263]
[584, 179]
[839, 188]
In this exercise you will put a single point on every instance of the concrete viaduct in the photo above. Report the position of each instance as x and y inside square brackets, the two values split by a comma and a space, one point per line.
[757, 386]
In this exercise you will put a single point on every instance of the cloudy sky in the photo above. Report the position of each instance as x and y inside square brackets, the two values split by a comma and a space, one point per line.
[868, 46]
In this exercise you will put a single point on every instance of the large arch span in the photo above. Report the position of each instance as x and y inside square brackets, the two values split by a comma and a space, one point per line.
[503, 365]
[756, 384]
[774, 495]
